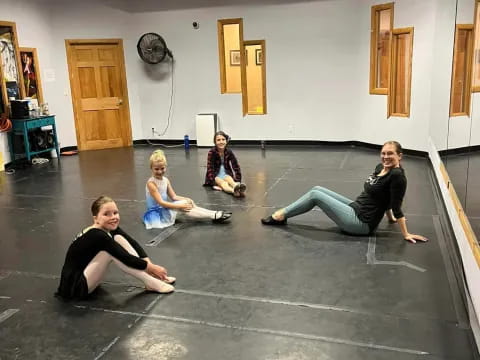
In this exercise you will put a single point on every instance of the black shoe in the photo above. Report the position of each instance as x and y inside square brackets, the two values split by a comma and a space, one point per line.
[222, 216]
[269, 220]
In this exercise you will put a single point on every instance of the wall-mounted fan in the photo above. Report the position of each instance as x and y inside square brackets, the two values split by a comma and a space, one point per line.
[152, 48]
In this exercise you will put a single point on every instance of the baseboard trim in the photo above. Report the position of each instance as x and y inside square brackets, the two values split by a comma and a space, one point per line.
[459, 151]
[265, 143]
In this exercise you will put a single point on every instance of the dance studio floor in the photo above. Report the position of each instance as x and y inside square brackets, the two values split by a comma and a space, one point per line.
[244, 290]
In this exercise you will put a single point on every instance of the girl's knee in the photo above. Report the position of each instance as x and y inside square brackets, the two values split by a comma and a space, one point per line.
[119, 238]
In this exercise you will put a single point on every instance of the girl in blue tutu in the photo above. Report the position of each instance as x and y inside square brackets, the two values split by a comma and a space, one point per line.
[163, 204]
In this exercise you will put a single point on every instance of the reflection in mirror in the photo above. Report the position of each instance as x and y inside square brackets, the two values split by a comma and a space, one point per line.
[472, 193]
[9, 64]
[462, 159]
[253, 73]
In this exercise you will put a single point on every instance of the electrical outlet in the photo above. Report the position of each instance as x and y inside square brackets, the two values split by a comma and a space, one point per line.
[290, 129]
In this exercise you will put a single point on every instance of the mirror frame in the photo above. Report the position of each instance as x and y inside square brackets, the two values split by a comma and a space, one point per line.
[3, 87]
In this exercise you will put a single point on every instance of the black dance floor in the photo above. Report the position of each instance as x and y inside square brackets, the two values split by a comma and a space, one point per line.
[244, 291]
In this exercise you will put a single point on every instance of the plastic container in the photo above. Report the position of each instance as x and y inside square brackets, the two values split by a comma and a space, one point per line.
[186, 142]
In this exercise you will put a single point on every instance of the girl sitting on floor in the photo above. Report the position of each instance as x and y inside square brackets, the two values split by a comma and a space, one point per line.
[95, 247]
[163, 204]
[223, 170]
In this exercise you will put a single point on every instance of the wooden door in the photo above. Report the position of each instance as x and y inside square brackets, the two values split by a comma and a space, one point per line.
[99, 93]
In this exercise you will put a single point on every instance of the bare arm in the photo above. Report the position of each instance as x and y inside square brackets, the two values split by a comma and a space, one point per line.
[153, 190]
[391, 218]
[413, 238]
[173, 195]
[156, 270]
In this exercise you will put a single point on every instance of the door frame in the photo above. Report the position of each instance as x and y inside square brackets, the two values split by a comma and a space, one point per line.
[69, 43]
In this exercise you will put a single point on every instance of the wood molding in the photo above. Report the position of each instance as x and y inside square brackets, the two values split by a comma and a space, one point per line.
[467, 228]
[468, 71]
[37, 73]
[15, 40]
[373, 89]
[260, 43]
[221, 49]
[393, 73]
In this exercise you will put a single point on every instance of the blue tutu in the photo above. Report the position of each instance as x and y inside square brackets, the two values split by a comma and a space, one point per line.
[156, 216]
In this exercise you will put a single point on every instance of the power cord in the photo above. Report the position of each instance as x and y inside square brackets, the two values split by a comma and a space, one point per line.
[155, 133]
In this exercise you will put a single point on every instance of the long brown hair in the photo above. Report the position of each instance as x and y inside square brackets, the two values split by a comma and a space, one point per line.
[398, 147]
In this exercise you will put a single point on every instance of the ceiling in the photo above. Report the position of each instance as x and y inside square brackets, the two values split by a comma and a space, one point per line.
[138, 6]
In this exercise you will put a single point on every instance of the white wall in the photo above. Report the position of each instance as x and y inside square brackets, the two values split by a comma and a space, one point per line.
[317, 58]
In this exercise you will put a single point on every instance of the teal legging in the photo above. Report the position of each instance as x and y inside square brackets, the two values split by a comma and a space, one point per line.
[334, 205]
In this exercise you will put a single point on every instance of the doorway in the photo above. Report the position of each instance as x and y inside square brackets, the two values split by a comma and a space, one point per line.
[99, 93]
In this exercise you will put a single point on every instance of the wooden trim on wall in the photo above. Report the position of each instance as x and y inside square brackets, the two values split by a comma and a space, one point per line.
[475, 35]
[467, 228]
[468, 70]
[373, 47]
[393, 73]
[221, 48]
[261, 43]
[243, 78]
[264, 76]
[37, 74]
[19, 64]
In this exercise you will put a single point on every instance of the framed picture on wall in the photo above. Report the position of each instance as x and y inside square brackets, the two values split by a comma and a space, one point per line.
[234, 57]
[258, 57]
[10, 74]
[32, 83]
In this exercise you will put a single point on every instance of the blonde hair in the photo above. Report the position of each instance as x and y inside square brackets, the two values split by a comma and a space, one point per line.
[157, 156]
[98, 203]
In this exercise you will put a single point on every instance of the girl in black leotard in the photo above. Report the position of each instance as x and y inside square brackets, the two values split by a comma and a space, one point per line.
[97, 246]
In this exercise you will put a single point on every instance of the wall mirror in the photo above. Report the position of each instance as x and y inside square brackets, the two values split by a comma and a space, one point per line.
[10, 67]
[32, 82]
[462, 151]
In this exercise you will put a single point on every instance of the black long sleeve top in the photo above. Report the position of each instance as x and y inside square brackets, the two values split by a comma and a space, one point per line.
[381, 193]
[84, 248]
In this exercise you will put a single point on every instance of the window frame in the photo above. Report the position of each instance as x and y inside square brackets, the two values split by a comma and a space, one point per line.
[468, 76]
[476, 37]
[375, 10]
[260, 43]
[221, 50]
[393, 72]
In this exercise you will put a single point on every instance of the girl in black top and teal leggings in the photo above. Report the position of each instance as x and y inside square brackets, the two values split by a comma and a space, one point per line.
[383, 193]
[97, 246]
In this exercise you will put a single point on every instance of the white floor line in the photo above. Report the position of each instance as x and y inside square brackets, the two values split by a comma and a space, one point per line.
[372, 259]
[345, 158]
[7, 313]
[276, 182]
[106, 348]
[254, 299]
[265, 331]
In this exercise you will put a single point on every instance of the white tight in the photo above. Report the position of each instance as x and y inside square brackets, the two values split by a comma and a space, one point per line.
[96, 269]
[197, 212]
